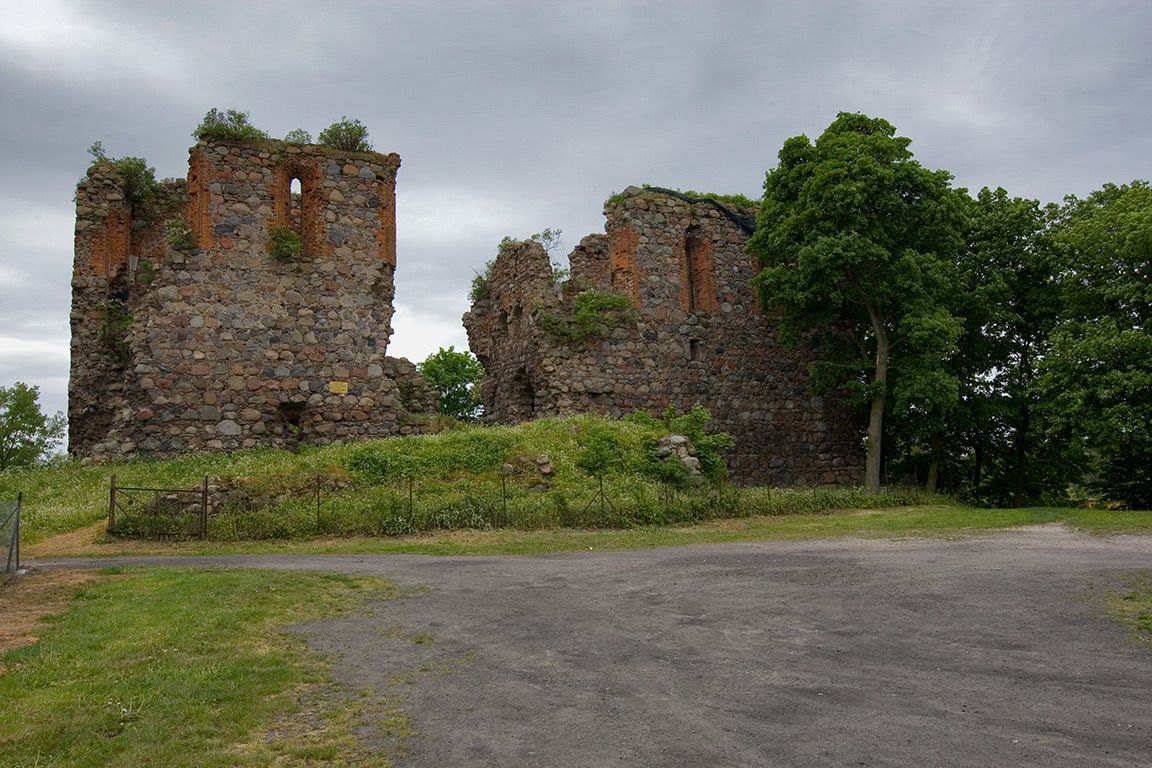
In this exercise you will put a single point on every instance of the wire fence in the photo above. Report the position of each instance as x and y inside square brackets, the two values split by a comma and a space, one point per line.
[10, 534]
[161, 513]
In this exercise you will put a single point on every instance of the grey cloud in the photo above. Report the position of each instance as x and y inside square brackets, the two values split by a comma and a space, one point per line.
[516, 116]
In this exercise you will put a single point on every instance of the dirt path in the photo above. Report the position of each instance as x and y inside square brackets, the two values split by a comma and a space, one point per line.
[988, 651]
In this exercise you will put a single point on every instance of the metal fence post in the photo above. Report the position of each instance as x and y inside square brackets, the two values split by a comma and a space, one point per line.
[19, 504]
[112, 504]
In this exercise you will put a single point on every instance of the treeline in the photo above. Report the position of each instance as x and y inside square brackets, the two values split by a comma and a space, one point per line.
[999, 349]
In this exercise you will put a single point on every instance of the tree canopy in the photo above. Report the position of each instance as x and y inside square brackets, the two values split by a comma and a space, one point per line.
[1096, 383]
[857, 242]
[457, 377]
[26, 434]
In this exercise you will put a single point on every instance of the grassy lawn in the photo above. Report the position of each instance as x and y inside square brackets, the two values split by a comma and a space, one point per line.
[475, 478]
[927, 520]
[186, 668]
[481, 490]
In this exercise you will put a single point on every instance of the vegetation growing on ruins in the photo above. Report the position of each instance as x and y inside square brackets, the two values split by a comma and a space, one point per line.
[479, 288]
[298, 136]
[231, 125]
[178, 234]
[349, 135]
[114, 330]
[285, 244]
[592, 314]
[137, 177]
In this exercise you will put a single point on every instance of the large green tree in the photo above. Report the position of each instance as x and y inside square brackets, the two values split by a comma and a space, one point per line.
[1010, 300]
[26, 434]
[1097, 380]
[858, 242]
[457, 377]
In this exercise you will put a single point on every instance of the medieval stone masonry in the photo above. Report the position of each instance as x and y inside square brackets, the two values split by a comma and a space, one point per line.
[216, 344]
[696, 336]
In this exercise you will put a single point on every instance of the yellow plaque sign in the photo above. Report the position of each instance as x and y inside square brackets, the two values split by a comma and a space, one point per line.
[338, 387]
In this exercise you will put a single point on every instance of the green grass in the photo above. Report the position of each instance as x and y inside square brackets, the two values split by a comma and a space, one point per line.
[1131, 603]
[937, 520]
[459, 482]
[184, 668]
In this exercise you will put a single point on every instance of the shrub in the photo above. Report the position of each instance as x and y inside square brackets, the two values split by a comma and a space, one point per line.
[479, 290]
[593, 315]
[230, 125]
[298, 136]
[178, 235]
[349, 135]
[284, 243]
[137, 177]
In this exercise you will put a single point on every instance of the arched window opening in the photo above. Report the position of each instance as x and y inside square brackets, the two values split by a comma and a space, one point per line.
[699, 284]
[299, 204]
[295, 205]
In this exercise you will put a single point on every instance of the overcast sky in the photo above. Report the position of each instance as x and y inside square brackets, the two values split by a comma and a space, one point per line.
[515, 116]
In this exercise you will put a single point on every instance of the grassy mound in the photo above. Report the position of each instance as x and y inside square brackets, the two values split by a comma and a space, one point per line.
[583, 471]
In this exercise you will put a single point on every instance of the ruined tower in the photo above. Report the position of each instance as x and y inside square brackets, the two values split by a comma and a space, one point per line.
[188, 333]
[695, 335]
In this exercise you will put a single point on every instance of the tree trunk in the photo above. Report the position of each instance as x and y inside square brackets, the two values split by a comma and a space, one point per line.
[876, 416]
[1021, 457]
[934, 464]
[976, 471]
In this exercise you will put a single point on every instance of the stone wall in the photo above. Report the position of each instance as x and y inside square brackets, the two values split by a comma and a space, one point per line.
[221, 346]
[697, 337]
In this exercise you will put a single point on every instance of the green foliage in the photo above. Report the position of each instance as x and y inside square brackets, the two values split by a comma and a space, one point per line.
[114, 329]
[1009, 300]
[1096, 382]
[178, 234]
[285, 244]
[146, 272]
[348, 135]
[137, 177]
[550, 240]
[593, 314]
[479, 289]
[201, 648]
[457, 377]
[736, 201]
[480, 280]
[298, 136]
[602, 451]
[27, 435]
[230, 125]
[857, 242]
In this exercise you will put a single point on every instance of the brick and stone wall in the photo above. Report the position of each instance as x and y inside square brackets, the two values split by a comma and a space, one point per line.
[698, 337]
[221, 346]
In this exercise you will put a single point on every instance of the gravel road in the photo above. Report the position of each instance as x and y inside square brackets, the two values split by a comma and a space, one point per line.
[987, 651]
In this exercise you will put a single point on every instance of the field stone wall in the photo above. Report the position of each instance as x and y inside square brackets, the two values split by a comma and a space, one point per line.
[699, 337]
[221, 346]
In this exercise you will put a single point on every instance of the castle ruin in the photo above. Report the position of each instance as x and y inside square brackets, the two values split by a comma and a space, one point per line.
[216, 344]
[695, 335]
